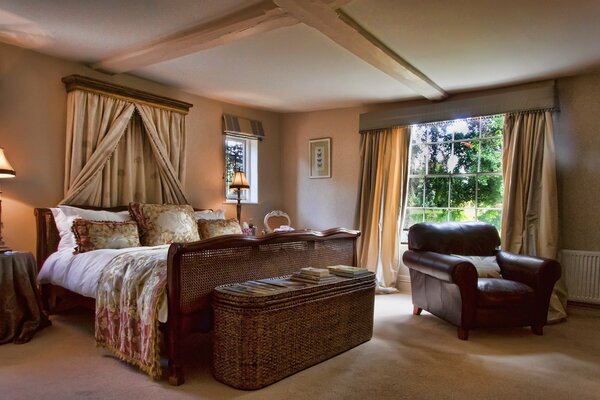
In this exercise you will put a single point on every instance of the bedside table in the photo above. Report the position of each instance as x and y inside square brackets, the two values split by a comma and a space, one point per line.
[21, 312]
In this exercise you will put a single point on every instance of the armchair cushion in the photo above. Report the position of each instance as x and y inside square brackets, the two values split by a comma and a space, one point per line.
[501, 293]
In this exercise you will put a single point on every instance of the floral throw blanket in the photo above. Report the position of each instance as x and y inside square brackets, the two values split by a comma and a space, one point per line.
[127, 303]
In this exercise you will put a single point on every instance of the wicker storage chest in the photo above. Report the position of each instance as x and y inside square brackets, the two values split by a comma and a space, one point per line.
[261, 336]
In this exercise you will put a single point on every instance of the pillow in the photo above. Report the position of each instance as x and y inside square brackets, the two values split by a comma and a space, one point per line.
[94, 235]
[209, 214]
[65, 215]
[164, 223]
[487, 267]
[217, 227]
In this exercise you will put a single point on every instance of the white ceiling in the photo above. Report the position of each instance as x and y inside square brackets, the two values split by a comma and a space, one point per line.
[460, 45]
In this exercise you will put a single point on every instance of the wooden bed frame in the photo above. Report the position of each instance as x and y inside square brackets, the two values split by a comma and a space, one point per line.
[195, 269]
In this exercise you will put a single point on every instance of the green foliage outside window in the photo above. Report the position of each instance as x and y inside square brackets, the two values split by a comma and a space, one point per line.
[456, 172]
[235, 159]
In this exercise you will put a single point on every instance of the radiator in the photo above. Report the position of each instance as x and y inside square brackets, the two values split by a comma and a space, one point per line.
[582, 273]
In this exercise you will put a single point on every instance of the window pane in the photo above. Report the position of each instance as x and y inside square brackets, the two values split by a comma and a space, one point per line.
[491, 155]
[436, 133]
[438, 158]
[418, 160]
[436, 215]
[492, 126]
[462, 192]
[489, 191]
[436, 192]
[415, 192]
[235, 158]
[418, 134]
[413, 216]
[466, 153]
[493, 217]
[468, 214]
[464, 129]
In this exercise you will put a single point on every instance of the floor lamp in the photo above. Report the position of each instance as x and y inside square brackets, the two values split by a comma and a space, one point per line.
[240, 183]
[6, 171]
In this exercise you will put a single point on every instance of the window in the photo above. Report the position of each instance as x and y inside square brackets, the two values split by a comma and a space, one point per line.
[242, 154]
[455, 172]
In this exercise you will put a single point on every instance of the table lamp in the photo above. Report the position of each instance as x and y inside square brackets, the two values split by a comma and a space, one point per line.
[6, 171]
[240, 183]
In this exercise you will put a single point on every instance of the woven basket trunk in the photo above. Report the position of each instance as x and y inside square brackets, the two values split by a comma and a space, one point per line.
[261, 339]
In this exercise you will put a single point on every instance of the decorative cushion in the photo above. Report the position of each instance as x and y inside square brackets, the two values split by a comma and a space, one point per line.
[164, 223]
[65, 215]
[93, 235]
[211, 228]
[210, 214]
[487, 267]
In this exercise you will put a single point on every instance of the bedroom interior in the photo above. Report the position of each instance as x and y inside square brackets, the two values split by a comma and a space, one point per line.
[344, 71]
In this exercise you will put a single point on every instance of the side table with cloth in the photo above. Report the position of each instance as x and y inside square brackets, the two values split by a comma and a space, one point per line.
[21, 313]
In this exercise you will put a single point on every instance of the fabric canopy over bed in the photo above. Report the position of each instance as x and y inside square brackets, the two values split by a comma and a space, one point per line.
[122, 145]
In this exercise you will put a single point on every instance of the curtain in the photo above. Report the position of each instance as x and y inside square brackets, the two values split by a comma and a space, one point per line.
[530, 215]
[383, 177]
[118, 152]
[166, 131]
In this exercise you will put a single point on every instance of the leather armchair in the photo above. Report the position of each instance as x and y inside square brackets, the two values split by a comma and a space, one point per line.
[448, 286]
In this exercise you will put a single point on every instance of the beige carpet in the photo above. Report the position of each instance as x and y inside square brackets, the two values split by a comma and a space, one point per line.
[409, 357]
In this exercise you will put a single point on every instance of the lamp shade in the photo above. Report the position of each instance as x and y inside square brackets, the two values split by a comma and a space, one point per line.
[6, 170]
[239, 181]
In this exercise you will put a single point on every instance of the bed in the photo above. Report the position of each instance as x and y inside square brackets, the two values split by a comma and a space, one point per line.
[194, 269]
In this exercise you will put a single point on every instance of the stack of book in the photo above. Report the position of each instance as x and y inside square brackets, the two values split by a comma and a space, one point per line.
[313, 275]
[347, 271]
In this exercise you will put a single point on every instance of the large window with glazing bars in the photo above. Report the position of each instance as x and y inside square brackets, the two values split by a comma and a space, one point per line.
[455, 172]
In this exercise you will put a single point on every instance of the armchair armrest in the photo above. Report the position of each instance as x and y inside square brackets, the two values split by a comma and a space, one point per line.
[536, 272]
[440, 266]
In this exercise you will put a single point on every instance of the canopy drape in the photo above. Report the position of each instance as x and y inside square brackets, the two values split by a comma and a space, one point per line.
[383, 178]
[119, 151]
[530, 215]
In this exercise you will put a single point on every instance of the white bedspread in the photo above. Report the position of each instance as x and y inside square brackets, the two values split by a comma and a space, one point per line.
[80, 273]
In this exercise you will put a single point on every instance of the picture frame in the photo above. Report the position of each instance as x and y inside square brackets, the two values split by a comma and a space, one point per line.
[319, 151]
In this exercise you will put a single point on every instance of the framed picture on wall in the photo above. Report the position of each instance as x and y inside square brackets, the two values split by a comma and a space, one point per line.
[319, 151]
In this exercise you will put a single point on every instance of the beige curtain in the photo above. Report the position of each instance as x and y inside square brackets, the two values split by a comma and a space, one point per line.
[383, 177]
[166, 131]
[530, 215]
[118, 152]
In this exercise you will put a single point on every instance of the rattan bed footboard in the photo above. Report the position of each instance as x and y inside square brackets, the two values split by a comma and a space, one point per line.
[195, 269]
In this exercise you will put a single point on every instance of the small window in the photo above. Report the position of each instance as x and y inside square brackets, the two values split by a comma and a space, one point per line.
[241, 154]
[455, 172]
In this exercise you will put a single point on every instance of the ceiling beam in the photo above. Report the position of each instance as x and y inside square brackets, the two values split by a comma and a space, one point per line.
[261, 17]
[346, 32]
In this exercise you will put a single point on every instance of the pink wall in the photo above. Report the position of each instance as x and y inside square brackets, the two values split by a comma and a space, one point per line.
[328, 202]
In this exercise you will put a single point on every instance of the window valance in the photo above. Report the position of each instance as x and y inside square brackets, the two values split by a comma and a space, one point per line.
[533, 96]
[78, 82]
[242, 127]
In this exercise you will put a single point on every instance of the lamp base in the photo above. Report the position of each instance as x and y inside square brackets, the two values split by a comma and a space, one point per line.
[4, 249]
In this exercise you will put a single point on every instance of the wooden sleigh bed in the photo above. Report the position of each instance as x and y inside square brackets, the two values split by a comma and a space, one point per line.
[195, 269]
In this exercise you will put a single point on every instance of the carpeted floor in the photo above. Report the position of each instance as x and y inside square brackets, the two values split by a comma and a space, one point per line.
[409, 357]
